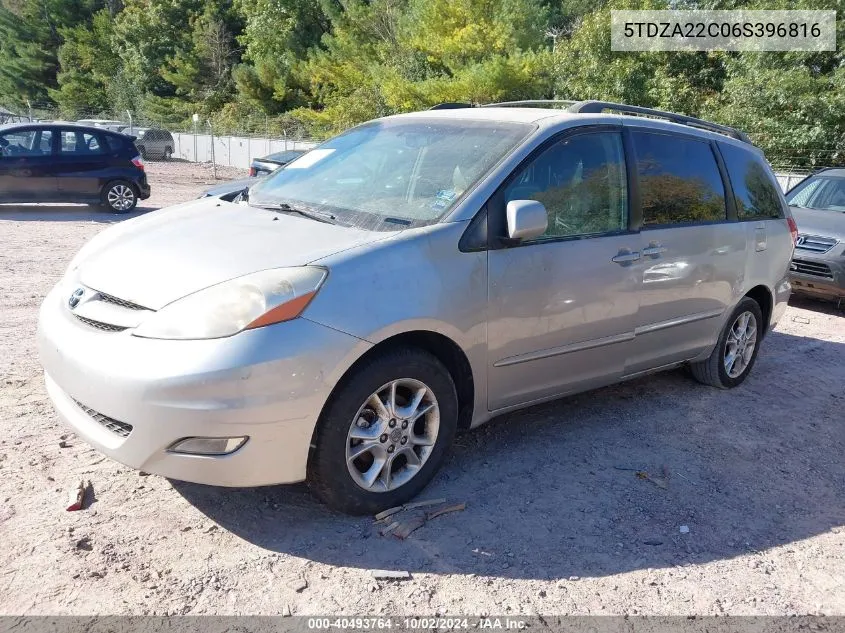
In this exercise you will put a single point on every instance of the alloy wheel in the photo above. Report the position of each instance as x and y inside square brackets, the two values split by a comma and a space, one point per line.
[392, 435]
[740, 344]
[121, 198]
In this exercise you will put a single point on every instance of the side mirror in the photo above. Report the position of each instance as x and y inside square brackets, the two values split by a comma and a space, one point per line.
[526, 219]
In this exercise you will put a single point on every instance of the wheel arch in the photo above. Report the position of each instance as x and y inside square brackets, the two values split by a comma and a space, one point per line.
[764, 298]
[446, 350]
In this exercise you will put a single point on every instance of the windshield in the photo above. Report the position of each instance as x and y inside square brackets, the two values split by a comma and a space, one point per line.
[392, 173]
[819, 193]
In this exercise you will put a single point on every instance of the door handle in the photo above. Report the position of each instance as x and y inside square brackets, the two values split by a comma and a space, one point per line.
[625, 257]
[653, 250]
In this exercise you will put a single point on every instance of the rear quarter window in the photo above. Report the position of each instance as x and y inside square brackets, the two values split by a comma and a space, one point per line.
[115, 143]
[755, 192]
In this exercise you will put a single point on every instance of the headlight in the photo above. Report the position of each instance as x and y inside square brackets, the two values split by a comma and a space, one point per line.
[262, 298]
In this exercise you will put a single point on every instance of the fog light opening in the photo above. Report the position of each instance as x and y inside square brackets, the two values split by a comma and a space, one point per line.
[208, 445]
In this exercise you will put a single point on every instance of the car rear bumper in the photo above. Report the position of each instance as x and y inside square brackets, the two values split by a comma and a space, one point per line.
[133, 398]
[143, 188]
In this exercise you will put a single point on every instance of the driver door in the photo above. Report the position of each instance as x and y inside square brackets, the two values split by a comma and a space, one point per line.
[27, 165]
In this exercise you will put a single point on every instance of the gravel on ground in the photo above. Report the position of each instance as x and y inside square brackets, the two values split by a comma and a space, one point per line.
[741, 511]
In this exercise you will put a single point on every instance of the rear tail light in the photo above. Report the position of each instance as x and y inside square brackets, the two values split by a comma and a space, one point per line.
[252, 172]
[793, 229]
[138, 162]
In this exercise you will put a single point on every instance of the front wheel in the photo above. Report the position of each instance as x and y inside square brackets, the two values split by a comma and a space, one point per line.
[384, 433]
[119, 196]
[735, 353]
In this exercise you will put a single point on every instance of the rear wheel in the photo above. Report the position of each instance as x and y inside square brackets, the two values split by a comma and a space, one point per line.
[119, 196]
[735, 353]
[385, 432]
[168, 153]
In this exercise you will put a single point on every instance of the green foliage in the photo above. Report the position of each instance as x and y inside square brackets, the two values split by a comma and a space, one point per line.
[88, 67]
[319, 66]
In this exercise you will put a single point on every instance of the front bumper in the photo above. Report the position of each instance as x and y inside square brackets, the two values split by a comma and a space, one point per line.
[818, 276]
[269, 384]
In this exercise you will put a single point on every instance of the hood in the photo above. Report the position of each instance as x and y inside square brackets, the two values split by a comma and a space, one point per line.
[168, 254]
[819, 222]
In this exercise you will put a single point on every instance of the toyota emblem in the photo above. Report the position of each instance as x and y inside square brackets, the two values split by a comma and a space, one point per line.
[76, 297]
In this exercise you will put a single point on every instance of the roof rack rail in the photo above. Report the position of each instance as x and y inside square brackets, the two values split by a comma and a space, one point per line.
[528, 102]
[584, 107]
[450, 106]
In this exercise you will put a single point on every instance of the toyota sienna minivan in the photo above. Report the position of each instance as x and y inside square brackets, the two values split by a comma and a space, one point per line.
[413, 277]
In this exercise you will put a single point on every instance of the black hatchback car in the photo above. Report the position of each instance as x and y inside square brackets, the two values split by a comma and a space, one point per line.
[53, 162]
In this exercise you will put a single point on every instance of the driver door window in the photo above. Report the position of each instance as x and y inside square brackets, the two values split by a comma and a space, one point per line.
[26, 143]
[581, 181]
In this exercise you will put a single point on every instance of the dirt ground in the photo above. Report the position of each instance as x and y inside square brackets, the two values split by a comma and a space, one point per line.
[557, 522]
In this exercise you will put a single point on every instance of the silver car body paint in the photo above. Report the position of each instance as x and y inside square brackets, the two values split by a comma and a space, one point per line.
[534, 323]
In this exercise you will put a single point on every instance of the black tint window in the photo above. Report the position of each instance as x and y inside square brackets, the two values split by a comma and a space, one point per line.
[581, 182]
[114, 143]
[754, 191]
[680, 181]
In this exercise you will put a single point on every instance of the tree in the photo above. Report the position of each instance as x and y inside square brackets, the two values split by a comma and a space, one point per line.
[89, 68]
[276, 37]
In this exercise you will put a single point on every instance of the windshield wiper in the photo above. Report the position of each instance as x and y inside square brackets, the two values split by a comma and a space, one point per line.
[284, 207]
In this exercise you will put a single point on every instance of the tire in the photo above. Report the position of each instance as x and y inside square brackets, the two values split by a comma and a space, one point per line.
[338, 478]
[119, 196]
[168, 153]
[715, 370]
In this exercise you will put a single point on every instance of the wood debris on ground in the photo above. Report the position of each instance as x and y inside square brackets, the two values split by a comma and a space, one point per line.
[402, 528]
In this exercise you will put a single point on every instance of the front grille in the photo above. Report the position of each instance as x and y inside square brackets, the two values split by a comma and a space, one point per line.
[105, 327]
[118, 428]
[805, 267]
[814, 243]
[120, 302]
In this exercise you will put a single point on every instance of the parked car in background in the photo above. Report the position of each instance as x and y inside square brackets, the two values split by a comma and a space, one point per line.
[153, 142]
[818, 206]
[269, 164]
[107, 124]
[417, 275]
[51, 162]
[230, 188]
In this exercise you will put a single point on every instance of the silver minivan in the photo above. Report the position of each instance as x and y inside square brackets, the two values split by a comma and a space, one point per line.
[413, 277]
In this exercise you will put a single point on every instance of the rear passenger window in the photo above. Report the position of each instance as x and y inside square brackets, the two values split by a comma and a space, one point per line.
[755, 193]
[77, 142]
[581, 182]
[679, 180]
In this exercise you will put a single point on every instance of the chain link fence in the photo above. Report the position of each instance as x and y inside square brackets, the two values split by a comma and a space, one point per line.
[222, 143]
[235, 144]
